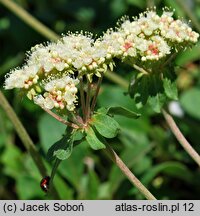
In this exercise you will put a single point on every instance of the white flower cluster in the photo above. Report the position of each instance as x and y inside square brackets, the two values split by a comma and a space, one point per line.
[71, 54]
[60, 93]
[22, 78]
[148, 38]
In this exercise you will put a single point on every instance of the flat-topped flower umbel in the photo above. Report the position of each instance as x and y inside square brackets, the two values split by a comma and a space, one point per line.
[52, 72]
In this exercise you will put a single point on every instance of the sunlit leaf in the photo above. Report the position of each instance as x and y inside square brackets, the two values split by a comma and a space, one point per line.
[93, 141]
[105, 125]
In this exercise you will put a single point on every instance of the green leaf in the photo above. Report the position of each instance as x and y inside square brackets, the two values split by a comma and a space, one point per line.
[139, 90]
[117, 98]
[156, 102]
[102, 110]
[123, 112]
[12, 159]
[189, 55]
[89, 185]
[170, 168]
[170, 89]
[62, 149]
[24, 186]
[93, 141]
[190, 101]
[65, 191]
[73, 168]
[148, 88]
[62, 154]
[105, 125]
[155, 85]
[169, 83]
[50, 130]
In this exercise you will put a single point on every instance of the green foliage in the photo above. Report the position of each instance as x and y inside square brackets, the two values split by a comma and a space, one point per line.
[62, 154]
[62, 149]
[170, 89]
[155, 89]
[12, 167]
[174, 169]
[190, 101]
[157, 102]
[50, 131]
[94, 141]
[189, 55]
[105, 125]
[26, 181]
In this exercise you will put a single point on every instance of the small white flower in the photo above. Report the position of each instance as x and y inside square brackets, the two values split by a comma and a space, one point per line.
[60, 93]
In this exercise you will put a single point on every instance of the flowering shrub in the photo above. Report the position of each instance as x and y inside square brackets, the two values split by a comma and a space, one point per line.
[60, 75]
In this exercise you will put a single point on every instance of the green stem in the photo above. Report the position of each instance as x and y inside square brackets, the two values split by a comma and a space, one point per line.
[174, 128]
[25, 138]
[53, 172]
[133, 179]
[182, 140]
[189, 13]
[58, 118]
[87, 106]
[82, 96]
[142, 70]
[55, 167]
[96, 93]
[29, 19]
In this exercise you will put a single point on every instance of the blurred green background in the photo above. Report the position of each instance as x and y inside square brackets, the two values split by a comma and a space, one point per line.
[146, 145]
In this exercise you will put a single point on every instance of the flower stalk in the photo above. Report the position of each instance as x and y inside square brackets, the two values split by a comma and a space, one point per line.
[82, 96]
[58, 118]
[179, 136]
[87, 106]
[96, 93]
[133, 179]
